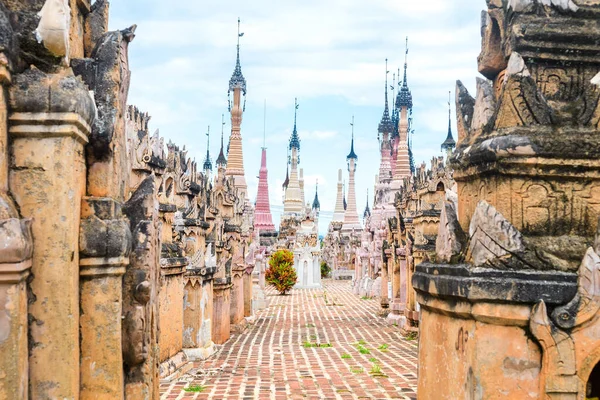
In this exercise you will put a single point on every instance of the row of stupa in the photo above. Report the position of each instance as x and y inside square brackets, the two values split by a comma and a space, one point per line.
[396, 166]
[299, 229]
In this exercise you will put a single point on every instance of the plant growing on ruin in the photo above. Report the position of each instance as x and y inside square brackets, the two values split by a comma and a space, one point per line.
[346, 356]
[325, 270]
[376, 369]
[308, 345]
[281, 273]
[377, 372]
[194, 389]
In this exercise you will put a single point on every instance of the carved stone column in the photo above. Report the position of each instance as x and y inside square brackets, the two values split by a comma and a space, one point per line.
[237, 299]
[49, 125]
[198, 309]
[237, 290]
[15, 263]
[140, 295]
[385, 303]
[261, 276]
[398, 304]
[221, 308]
[247, 277]
[105, 243]
[105, 236]
[170, 299]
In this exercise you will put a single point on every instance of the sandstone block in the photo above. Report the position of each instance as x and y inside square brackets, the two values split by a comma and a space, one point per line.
[491, 236]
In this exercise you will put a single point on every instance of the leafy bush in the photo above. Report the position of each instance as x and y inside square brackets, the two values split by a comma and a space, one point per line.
[325, 270]
[281, 273]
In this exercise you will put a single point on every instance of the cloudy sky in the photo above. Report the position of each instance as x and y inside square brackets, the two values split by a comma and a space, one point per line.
[330, 54]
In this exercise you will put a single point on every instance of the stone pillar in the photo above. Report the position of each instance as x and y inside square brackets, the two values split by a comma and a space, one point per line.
[221, 308]
[247, 277]
[398, 304]
[357, 274]
[261, 276]
[105, 242]
[49, 125]
[141, 284]
[237, 298]
[385, 303]
[105, 237]
[198, 316]
[171, 309]
[15, 264]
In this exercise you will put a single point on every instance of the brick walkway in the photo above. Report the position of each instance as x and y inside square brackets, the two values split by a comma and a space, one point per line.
[368, 359]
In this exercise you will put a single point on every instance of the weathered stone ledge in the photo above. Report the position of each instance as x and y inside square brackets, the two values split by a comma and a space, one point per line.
[483, 284]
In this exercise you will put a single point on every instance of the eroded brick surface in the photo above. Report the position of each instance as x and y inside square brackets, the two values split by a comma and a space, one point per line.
[271, 360]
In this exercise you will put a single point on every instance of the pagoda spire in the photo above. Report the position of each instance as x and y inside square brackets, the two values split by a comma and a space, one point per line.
[265, 125]
[367, 212]
[394, 133]
[221, 160]
[404, 97]
[235, 161]
[449, 144]
[344, 192]
[263, 220]
[405, 81]
[403, 163]
[351, 220]
[338, 213]
[295, 139]
[294, 203]
[237, 78]
[352, 154]
[316, 204]
[207, 162]
[385, 126]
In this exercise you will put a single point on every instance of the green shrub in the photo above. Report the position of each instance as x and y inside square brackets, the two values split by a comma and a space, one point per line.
[281, 273]
[346, 356]
[325, 270]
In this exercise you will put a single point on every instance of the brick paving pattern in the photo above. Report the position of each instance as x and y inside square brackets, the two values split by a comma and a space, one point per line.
[275, 358]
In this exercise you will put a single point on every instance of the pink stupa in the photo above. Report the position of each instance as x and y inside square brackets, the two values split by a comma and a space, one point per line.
[263, 221]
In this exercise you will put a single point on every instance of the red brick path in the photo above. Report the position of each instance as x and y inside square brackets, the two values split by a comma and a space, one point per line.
[272, 360]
